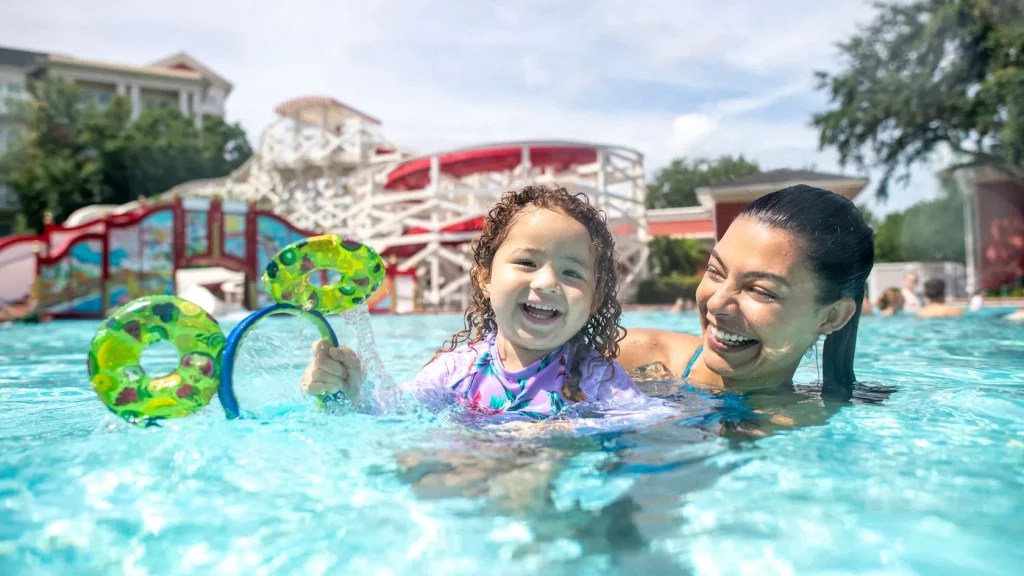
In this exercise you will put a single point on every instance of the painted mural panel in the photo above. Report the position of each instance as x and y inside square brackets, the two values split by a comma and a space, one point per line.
[54, 283]
[75, 282]
[197, 233]
[141, 259]
[234, 236]
[86, 273]
[124, 257]
[271, 236]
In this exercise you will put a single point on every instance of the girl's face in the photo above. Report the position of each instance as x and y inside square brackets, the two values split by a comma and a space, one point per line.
[542, 282]
[758, 305]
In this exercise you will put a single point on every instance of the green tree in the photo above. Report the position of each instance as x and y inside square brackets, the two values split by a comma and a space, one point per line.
[927, 74]
[75, 155]
[889, 239]
[933, 231]
[676, 256]
[54, 167]
[928, 231]
[676, 185]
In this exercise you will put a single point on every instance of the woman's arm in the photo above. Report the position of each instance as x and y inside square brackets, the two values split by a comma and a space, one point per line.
[647, 346]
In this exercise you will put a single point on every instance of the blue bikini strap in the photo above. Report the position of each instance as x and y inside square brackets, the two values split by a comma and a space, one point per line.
[693, 360]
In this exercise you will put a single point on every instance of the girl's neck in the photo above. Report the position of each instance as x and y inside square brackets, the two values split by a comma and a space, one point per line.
[514, 358]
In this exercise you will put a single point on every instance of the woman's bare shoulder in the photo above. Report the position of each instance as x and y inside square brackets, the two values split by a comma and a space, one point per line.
[648, 345]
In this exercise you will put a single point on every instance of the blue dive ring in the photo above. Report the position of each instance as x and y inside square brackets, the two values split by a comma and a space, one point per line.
[226, 390]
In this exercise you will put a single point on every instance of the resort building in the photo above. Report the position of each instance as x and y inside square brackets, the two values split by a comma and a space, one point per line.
[177, 80]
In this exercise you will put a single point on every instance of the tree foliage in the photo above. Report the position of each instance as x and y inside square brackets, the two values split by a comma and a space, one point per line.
[928, 231]
[75, 155]
[675, 185]
[683, 256]
[927, 74]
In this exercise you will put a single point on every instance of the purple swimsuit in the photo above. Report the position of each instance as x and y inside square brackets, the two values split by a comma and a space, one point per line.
[479, 381]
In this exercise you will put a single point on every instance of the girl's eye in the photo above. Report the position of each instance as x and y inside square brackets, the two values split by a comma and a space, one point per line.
[574, 274]
[524, 262]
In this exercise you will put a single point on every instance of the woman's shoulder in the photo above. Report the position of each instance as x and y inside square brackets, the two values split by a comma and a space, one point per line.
[643, 346]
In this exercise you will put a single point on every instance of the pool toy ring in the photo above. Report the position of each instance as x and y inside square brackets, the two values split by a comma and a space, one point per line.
[124, 386]
[207, 358]
[361, 268]
[226, 392]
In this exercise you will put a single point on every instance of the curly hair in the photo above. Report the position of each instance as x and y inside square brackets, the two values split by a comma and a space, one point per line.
[602, 331]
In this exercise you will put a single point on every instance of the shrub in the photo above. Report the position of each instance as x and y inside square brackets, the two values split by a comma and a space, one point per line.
[667, 289]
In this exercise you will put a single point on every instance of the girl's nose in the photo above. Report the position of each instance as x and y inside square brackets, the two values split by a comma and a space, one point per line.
[545, 280]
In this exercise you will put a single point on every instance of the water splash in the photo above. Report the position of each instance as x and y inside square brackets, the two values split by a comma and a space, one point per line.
[357, 334]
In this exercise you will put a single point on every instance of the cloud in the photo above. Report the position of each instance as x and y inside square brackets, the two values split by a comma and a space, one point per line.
[666, 78]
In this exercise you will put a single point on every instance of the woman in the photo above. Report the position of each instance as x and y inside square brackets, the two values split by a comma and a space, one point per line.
[790, 270]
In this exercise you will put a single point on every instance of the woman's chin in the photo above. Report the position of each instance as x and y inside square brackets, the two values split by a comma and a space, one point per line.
[730, 361]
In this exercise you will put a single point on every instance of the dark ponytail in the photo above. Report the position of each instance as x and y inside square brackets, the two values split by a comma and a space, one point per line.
[840, 249]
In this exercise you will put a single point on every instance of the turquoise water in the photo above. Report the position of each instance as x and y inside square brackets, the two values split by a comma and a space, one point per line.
[930, 481]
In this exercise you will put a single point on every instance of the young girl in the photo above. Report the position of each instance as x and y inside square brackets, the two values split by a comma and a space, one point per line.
[543, 328]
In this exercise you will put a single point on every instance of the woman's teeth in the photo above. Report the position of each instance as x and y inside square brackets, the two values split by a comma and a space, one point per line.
[728, 337]
[540, 311]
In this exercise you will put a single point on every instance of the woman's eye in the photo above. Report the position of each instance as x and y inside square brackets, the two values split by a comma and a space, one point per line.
[714, 273]
[764, 294]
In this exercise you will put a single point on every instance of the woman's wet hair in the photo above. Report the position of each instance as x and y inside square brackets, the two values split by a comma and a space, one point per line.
[839, 248]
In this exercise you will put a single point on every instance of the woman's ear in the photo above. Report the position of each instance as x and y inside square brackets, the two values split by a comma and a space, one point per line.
[839, 313]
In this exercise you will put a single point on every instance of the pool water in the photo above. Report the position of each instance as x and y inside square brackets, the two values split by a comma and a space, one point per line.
[930, 481]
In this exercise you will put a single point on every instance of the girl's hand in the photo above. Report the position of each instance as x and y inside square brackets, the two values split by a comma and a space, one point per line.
[333, 369]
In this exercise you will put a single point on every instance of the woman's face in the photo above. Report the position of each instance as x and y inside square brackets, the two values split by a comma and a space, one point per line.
[758, 305]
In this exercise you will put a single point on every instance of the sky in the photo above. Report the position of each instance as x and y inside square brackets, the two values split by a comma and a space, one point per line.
[669, 78]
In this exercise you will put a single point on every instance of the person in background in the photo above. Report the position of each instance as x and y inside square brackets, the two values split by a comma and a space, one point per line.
[977, 300]
[911, 296]
[935, 293]
[891, 302]
[866, 308]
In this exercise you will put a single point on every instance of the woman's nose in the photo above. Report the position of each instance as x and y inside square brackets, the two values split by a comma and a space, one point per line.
[722, 302]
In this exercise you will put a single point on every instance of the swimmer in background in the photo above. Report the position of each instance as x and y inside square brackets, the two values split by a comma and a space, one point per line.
[543, 330]
[977, 300]
[912, 301]
[935, 293]
[866, 308]
[891, 302]
[681, 305]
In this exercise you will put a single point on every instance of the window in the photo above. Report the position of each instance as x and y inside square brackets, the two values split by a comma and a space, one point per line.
[101, 98]
[156, 102]
[8, 136]
[7, 197]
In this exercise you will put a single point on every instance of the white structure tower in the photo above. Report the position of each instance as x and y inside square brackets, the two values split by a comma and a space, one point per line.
[325, 166]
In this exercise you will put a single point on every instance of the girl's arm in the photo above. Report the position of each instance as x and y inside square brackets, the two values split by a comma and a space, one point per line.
[338, 369]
